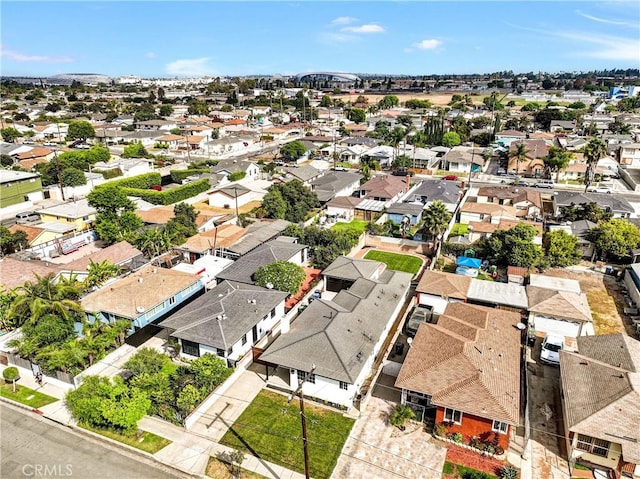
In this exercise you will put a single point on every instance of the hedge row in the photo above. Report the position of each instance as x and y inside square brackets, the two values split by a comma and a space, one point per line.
[142, 182]
[168, 197]
[113, 173]
[178, 175]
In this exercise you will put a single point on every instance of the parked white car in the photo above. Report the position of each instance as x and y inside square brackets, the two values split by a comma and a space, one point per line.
[551, 347]
[600, 189]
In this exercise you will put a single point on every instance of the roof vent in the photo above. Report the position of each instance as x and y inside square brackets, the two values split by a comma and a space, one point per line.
[584, 363]
[140, 280]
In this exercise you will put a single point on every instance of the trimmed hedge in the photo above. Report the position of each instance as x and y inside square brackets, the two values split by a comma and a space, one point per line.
[178, 175]
[168, 197]
[142, 182]
[237, 175]
[113, 173]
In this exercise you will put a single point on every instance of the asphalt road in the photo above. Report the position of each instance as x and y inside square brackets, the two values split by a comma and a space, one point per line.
[34, 447]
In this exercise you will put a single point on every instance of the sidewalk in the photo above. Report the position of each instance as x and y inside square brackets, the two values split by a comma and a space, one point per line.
[189, 451]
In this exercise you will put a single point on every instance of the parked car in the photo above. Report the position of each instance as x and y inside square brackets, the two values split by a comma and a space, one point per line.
[600, 189]
[550, 351]
[420, 314]
[401, 172]
[519, 183]
[545, 184]
[450, 178]
[27, 217]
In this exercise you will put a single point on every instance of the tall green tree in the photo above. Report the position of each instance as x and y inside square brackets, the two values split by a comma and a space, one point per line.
[561, 248]
[519, 153]
[283, 275]
[80, 130]
[10, 134]
[12, 242]
[100, 272]
[513, 247]
[450, 139]
[116, 218]
[436, 221]
[614, 239]
[293, 150]
[556, 160]
[593, 151]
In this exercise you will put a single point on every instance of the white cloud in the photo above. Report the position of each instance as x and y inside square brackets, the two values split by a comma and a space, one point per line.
[151, 55]
[607, 47]
[343, 20]
[24, 58]
[430, 44]
[189, 67]
[605, 20]
[367, 28]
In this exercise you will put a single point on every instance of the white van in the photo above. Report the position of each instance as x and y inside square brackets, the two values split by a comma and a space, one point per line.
[27, 217]
[545, 184]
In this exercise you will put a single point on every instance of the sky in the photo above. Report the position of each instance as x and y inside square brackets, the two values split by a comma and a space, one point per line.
[177, 39]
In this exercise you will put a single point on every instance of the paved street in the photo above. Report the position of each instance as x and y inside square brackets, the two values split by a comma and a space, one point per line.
[34, 447]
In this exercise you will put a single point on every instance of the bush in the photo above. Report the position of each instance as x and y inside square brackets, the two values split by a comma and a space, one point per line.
[508, 472]
[113, 173]
[169, 197]
[178, 175]
[236, 175]
[475, 475]
[440, 430]
[401, 413]
[10, 374]
[143, 182]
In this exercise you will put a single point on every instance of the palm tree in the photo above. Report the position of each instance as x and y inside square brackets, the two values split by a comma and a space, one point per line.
[594, 150]
[519, 153]
[557, 159]
[44, 296]
[101, 272]
[401, 413]
[436, 221]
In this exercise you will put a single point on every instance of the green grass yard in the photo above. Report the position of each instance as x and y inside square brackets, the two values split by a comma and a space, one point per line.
[147, 442]
[25, 395]
[355, 225]
[449, 469]
[396, 261]
[270, 429]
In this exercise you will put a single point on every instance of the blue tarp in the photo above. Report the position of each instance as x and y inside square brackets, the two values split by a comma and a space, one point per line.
[468, 262]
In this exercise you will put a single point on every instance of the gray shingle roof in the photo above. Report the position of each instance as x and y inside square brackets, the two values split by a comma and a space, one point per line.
[303, 173]
[339, 340]
[344, 267]
[198, 322]
[332, 182]
[243, 269]
[438, 190]
[604, 200]
[411, 209]
[258, 233]
[600, 399]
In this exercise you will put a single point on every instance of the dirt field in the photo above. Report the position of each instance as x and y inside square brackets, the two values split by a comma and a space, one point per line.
[605, 299]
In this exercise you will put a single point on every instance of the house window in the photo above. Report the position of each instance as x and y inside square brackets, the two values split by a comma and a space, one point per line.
[303, 376]
[597, 447]
[244, 339]
[499, 426]
[172, 300]
[273, 313]
[190, 348]
[451, 415]
[343, 385]
[220, 352]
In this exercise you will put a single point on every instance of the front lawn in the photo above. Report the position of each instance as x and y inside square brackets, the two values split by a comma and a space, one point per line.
[396, 261]
[25, 395]
[354, 225]
[147, 442]
[456, 470]
[270, 429]
[217, 469]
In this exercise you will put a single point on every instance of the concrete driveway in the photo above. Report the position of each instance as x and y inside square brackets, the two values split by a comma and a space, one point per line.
[548, 450]
[375, 449]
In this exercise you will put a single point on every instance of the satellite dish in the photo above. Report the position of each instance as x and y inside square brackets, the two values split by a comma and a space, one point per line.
[269, 285]
[521, 326]
[139, 309]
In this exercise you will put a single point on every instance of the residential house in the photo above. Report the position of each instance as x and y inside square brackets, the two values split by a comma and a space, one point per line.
[210, 242]
[484, 229]
[343, 207]
[51, 132]
[305, 173]
[206, 267]
[19, 188]
[38, 154]
[226, 167]
[600, 394]
[143, 297]
[120, 254]
[629, 155]
[171, 141]
[333, 184]
[472, 212]
[463, 159]
[282, 248]
[562, 126]
[16, 272]
[156, 125]
[341, 338]
[632, 282]
[580, 229]
[77, 213]
[226, 321]
[467, 368]
[557, 308]
[532, 164]
[380, 192]
[398, 211]
[617, 205]
[255, 235]
[344, 271]
[527, 202]
[234, 195]
[448, 192]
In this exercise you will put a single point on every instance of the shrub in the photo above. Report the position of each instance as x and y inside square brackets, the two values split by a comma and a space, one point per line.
[112, 173]
[237, 175]
[143, 182]
[10, 374]
[457, 437]
[169, 197]
[401, 413]
[440, 430]
[475, 475]
[508, 472]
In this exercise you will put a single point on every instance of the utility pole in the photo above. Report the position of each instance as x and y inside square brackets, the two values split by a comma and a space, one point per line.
[303, 419]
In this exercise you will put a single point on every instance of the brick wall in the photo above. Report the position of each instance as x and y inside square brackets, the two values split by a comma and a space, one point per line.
[474, 426]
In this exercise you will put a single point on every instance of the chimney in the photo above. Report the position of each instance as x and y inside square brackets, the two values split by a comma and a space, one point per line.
[408, 187]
